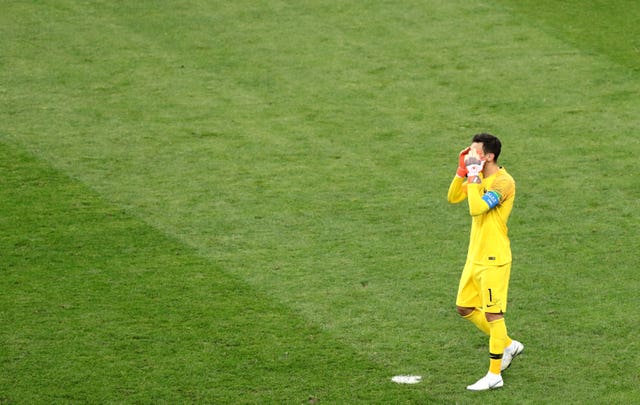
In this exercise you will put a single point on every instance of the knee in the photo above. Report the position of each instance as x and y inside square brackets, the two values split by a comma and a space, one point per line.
[493, 317]
[464, 311]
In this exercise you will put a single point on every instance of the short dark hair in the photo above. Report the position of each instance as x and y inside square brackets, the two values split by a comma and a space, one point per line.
[490, 144]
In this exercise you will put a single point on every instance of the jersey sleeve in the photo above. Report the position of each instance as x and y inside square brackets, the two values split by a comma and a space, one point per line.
[477, 206]
[457, 190]
[481, 201]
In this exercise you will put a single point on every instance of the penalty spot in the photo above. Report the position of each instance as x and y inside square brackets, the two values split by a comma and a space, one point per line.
[407, 379]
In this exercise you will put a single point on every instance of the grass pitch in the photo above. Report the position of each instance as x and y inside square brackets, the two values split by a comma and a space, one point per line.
[245, 202]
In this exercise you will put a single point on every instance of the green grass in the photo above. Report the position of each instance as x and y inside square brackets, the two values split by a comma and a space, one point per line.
[244, 202]
[99, 307]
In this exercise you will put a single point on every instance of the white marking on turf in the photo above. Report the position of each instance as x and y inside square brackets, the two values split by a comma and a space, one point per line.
[407, 379]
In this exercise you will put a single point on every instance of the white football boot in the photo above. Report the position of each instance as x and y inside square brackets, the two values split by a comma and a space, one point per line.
[511, 351]
[488, 382]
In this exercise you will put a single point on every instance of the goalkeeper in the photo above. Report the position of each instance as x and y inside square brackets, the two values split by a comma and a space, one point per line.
[482, 293]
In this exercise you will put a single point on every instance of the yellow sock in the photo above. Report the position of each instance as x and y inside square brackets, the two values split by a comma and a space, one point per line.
[477, 318]
[497, 340]
[508, 342]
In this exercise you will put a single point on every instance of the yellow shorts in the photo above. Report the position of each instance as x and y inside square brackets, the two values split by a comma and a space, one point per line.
[484, 287]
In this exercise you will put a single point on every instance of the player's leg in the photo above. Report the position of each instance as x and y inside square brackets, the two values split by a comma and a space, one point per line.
[494, 282]
[468, 300]
[495, 285]
[497, 341]
[497, 336]
[495, 292]
[476, 317]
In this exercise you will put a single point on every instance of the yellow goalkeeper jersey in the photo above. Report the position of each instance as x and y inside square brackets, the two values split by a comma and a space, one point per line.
[490, 205]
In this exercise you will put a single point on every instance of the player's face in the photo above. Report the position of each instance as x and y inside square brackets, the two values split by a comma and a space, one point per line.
[477, 146]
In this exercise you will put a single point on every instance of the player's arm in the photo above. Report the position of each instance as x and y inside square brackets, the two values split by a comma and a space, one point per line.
[481, 202]
[457, 190]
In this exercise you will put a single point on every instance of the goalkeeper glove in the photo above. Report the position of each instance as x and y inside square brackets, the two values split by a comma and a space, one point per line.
[462, 167]
[474, 163]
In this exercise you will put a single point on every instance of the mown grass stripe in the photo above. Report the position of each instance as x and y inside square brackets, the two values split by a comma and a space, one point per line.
[98, 307]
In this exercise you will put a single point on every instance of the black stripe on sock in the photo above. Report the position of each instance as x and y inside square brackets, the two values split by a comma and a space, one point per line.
[495, 356]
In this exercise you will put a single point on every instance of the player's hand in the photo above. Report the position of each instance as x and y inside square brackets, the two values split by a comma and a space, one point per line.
[462, 167]
[474, 163]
